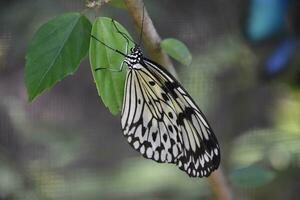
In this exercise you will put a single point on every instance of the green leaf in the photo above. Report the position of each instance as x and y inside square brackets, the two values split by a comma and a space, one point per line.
[56, 51]
[177, 50]
[251, 177]
[110, 85]
[118, 3]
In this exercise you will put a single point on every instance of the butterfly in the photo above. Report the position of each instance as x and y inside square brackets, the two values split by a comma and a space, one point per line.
[161, 120]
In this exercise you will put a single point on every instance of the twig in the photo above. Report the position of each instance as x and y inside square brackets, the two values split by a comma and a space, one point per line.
[150, 38]
[152, 41]
[220, 186]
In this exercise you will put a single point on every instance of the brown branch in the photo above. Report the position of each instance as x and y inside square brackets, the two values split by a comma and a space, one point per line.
[220, 186]
[152, 41]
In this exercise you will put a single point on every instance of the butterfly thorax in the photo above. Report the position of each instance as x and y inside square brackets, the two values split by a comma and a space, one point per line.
[134, 57]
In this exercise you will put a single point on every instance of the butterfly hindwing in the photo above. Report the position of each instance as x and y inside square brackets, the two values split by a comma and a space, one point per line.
[200, 150]
[163, 123]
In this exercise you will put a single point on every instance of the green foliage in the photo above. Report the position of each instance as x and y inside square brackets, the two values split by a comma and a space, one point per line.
[110, 84]
[251, 176]
[153, 177]
[56, 51]
[133, 179]
[61, 44]
[288, 113]
[177, 50]
[277, 147]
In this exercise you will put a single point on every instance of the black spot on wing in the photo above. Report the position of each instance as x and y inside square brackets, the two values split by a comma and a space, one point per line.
[170, 128]
[169, 87]
[165, 137]
[154, 135]
[152, 83]
[165, 96]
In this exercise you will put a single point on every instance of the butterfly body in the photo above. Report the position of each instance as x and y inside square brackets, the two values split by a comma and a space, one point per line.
[162, 122]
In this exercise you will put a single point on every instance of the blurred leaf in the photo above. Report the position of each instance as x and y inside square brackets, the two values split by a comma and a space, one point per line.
[118, 3]
[287, 115]
[10, 180]
[86, 184]
[139, 177]
[56, 51]
[135, 178]
[28, 195]
[50, 183]
[279, 148]
[251, 177]
[177, 50]
[110, 85]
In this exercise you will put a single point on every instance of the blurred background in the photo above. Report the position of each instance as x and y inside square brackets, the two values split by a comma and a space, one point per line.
[245, 76]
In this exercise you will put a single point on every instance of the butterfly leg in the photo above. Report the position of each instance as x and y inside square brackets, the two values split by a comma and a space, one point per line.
[112, 70]
[126, 52]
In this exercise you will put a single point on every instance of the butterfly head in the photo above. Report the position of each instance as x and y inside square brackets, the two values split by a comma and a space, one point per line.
[134, 57]
[136, 50]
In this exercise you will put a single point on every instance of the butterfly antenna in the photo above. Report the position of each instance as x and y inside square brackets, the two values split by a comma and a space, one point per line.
[125, 36]
[115, 50]
[142, 26]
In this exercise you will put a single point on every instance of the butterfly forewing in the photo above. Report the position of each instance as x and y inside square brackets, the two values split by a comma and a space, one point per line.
[163, 123]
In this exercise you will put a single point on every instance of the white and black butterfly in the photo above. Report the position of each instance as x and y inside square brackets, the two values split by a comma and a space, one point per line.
[161, 120]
